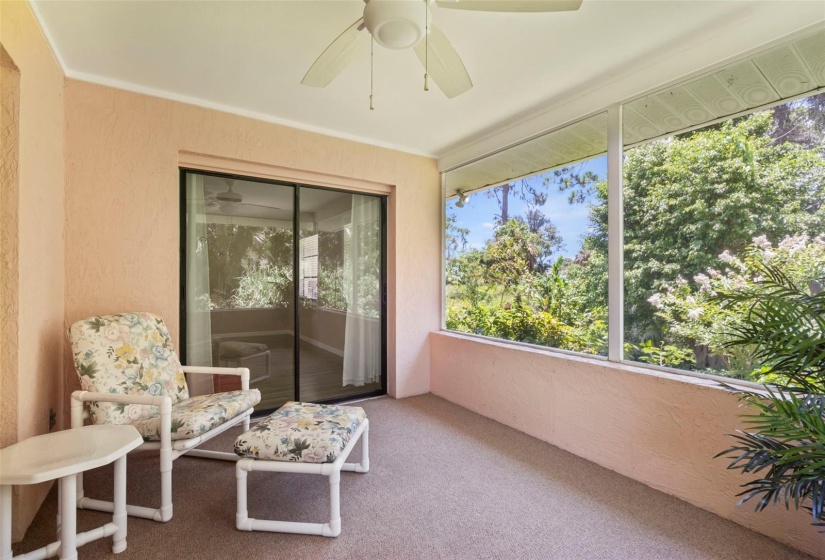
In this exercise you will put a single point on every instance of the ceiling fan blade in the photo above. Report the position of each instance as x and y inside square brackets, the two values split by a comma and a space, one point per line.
[511, 5]
[445, 66]
[337, 56]
[259, 205]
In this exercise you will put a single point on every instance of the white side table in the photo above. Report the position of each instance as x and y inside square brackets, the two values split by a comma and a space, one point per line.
[64, 455]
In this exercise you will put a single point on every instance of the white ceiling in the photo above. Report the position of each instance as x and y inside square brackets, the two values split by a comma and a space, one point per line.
[249, 57]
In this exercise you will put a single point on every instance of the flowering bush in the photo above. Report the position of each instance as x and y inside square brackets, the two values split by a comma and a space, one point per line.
[697, 319]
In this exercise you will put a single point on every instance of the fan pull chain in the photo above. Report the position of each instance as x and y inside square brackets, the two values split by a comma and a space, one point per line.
[426, 47]
[372, 66]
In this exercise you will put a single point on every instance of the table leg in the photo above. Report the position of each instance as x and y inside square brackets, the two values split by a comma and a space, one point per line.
[119, 516]
[59, 509]
[68, 517]
[5, 522]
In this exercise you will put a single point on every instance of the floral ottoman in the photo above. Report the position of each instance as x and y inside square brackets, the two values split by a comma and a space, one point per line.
[302, 438]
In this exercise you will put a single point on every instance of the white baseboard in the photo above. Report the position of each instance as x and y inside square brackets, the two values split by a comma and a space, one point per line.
[229, 336]
[322, 346]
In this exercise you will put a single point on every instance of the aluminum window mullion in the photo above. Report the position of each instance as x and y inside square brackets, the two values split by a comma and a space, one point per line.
[615, 236]
[444, 251]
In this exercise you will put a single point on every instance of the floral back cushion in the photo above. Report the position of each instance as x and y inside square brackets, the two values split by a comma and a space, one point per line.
[126, 354]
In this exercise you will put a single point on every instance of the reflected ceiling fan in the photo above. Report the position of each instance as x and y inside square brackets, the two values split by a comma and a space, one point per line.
[230, 201]
[404, 24]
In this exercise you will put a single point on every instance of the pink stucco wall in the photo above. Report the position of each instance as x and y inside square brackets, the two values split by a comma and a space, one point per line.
[9, 246]
[34, 252]
[122, 207]
[660, 429]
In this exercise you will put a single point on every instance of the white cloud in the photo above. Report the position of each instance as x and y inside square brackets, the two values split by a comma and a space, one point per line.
[488, 225]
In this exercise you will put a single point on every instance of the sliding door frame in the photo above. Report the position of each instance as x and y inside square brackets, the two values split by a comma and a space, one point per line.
[383, 198]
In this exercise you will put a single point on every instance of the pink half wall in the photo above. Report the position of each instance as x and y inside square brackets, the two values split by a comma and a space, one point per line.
[658, 428]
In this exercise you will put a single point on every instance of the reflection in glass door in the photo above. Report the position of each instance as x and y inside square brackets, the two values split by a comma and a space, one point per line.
[240, 261]
[239, 283]
[340, 291]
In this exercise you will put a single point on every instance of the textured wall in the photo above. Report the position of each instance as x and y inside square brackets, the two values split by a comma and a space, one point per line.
[660, 429]
[123, 220]
[39, 237]
[9, 163]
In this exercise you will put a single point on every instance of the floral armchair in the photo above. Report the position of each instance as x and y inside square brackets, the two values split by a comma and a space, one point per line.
[130, 374]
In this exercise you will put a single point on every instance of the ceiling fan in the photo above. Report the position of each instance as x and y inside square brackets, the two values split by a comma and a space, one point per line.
[229, 201]
[404, 24]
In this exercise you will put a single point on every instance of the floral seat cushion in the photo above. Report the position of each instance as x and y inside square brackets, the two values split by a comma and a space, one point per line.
[302, 432]
[126, 353]
[197, 415]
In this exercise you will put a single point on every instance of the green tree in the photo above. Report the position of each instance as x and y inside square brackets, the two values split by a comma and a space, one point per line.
[688, 199]
[699, 319]
[801, 122]
[455, 236]
[513, 252]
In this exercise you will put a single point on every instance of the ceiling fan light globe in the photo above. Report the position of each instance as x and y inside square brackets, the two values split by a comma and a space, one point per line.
[396, 24]
[228, 207]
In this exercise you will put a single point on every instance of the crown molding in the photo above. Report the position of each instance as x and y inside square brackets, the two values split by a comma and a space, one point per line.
[35, 10]
[205, 103]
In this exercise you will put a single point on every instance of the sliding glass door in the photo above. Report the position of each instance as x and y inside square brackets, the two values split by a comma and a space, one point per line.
[340, 293]
[253, 249]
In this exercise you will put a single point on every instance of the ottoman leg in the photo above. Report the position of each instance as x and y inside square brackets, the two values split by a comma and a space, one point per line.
[333, 529]
[365, 448]
[67, 486]
[242, 513]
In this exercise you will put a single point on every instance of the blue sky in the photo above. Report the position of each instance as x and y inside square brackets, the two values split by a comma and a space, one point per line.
[480, 211]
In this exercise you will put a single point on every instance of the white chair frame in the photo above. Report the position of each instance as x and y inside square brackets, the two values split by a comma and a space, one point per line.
[333, 470]
[169, 449]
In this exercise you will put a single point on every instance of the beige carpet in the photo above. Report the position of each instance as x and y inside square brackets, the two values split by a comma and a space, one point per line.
[444, 483]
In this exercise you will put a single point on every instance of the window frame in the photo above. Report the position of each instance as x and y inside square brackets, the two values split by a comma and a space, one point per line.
[615, 201]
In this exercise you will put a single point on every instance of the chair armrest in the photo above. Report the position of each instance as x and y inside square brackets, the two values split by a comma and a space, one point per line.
[205, 370]
[163, 402]
[87, 396]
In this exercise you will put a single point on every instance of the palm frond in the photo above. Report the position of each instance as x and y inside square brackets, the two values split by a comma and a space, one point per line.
[782, 441]
[785, 324]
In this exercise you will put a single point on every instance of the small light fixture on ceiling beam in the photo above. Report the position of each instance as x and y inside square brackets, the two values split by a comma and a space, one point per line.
[462, 199]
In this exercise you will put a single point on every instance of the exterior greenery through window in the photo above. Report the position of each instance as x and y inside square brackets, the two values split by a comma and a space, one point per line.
[703, 211]
[513, 273]
[251, 267]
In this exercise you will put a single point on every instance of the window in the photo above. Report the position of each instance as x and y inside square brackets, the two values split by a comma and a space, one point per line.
[721, 176]
[526, 258]
[704, 211]
[308, 287]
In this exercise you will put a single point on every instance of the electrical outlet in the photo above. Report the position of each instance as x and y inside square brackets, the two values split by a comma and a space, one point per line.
[52, 419]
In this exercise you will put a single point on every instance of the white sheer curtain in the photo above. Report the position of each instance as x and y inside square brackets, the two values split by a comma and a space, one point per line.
[362, 342]
[198, 318]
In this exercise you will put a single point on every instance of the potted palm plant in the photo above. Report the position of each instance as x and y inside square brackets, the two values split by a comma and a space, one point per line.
[782, 442]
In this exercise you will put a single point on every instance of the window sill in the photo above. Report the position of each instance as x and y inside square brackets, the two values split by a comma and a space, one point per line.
[694, 378]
